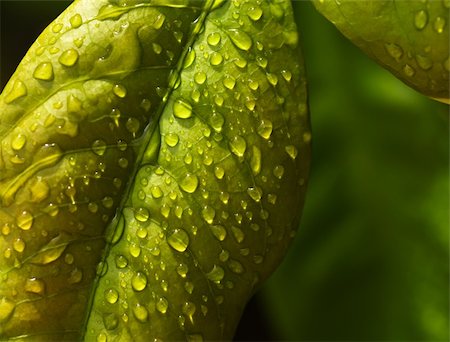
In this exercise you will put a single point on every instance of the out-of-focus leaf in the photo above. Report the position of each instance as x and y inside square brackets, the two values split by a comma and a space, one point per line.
[409, 38]
[153, 165]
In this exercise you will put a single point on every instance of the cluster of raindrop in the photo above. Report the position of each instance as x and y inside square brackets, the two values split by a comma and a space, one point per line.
[201, 224]
[65, 163]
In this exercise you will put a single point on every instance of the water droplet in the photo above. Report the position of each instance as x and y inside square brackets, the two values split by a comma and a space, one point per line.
[216, 120]
[420, 19]
[235, 266]
[265, 129]
[240, 39]
[51, 251]
[171, 139]
[110, 321]
[200, 77]
[238, 234]
[18, 141]
[255, 161]
[189, 184]
[159, 21]
[216, 274]
[182, 109]
[139, 281]
[75, 276]
[18, 90]
[34, 285]
[25, 220]
[121, 261]
[219, 232]
[111, 296]
[255, 13]
[287, 75]
[141, 313]
[120, 91]
[182, 270]
[219, 172]
[190, 58]
[214, 38]
[99, 147]
[141, 214]
[102, 338]
[6, 309]
[394, 51]
[178, 240]
[215, 59]
[439, 24]
[409, 70]
[76, 21]
[424, 62]
[208, 214]
[69, 57]
[272, 78]
[278, 171]
[238, 145]
[162, 305]
[292, 151]
[189, 309]
[255, 193]
[44, 71]
[229, 82]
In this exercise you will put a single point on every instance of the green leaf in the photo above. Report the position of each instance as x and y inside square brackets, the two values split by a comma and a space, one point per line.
[409, 38]
[153, 166]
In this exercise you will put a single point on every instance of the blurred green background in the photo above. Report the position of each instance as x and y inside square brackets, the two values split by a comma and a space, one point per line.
[371, 259]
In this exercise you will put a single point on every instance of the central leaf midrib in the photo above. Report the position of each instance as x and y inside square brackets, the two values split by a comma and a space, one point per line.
[146, 140]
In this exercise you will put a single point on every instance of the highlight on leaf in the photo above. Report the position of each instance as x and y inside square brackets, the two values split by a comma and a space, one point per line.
[153, 165]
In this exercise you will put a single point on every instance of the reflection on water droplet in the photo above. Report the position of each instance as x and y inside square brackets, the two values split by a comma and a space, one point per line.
[216, 274]
[34, 285]
[111, 296]
[178, 240]
[18, 90]
[44, 71]
[18, 141]
[215, 59]
[409, 70]
[420, 20]
[424, 62]
[214, 38]
[240, 39]
[162, 305]
[292, 151]
[394, 50]
[255, 193]
[182, 109]
[120, 91]
[139, 281]
[439, 24]
[141, 214]
[255, 13]
[219, 232]
[171, 139]
[189, 184]
[265, 129]
[238, 145]
[25, 220]
[75, 276]
[76, 21]
[141, 313]
[208, 214]
[69, 57]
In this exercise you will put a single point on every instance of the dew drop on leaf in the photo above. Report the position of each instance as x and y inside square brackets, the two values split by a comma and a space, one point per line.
[139, 281]
[178, 240]
[44, 72]
[182, 109]
[69, 57]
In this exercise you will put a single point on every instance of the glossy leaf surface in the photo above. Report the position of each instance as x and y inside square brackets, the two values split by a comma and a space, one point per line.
[409, 38]
[153, 162]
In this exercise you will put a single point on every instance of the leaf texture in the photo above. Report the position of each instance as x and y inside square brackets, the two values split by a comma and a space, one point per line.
[409, 38]
[153, 165]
